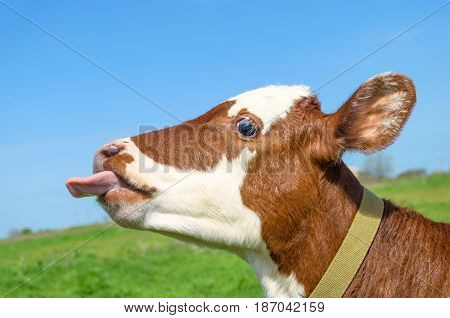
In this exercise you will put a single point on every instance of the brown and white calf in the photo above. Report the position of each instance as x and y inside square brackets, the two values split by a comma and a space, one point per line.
[261, 175]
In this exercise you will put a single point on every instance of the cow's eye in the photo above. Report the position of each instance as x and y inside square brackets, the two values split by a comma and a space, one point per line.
[246, 128]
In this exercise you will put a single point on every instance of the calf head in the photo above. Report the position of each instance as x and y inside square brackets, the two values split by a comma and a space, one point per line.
[246, 175]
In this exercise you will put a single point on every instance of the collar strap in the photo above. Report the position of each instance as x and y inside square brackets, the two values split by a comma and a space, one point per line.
[353, 250]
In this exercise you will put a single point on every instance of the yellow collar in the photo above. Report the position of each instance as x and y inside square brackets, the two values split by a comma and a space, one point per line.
[353, 250]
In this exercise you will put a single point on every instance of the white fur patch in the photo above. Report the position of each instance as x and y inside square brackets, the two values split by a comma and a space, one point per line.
[275, 284]
[269, 103]
[205, 205]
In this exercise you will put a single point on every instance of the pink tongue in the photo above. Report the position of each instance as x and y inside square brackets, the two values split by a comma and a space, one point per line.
[96, 184]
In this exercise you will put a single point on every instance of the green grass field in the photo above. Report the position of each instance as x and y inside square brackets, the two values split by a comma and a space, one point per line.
[129, 263]
[429, 196]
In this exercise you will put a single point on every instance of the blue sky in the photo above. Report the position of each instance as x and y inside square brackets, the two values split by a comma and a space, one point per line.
[188, 56]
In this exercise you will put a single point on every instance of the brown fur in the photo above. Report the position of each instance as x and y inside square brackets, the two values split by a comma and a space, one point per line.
[197, 144]
[408, 258]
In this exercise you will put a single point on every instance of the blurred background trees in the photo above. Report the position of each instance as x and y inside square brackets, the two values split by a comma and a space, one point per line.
[376, 168]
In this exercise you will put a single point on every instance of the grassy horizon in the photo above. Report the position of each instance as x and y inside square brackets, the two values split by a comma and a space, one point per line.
[128, 263]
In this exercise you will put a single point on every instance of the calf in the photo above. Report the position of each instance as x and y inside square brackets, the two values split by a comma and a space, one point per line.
[261, 175]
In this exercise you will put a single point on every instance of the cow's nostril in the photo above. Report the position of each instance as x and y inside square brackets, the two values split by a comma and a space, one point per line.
[111, 150]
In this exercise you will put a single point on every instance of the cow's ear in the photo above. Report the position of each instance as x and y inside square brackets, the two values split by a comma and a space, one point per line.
[374, 115]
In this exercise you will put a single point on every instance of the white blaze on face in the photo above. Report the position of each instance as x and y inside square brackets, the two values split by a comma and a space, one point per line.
[269, 103]
[205, 205]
